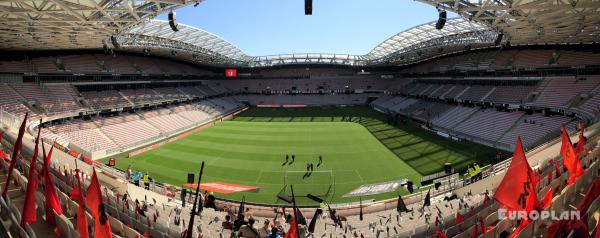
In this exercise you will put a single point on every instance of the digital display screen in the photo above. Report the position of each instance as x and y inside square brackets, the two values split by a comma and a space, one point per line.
[231, 73]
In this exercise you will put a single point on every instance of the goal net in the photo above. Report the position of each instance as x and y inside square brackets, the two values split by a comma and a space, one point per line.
[318, 183]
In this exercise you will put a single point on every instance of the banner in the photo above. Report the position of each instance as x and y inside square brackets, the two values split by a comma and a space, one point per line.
[377, 188]
[224, 188]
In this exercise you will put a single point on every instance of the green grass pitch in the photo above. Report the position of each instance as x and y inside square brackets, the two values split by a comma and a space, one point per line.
[251, 148]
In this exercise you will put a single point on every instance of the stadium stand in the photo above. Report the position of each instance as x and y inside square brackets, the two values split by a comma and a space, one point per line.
[127, 219]
[11, 101]
[560, 91]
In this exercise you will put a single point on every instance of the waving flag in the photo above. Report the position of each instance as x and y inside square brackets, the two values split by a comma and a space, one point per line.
[29, 215]
[77, 195]
[582, 140]
[517, 189]
[293, 232]
[94, 194]
[16, 150]
[52, 202]
[570, 157]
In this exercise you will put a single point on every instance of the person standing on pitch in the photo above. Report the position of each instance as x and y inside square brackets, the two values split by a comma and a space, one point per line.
[293, 158]
[287, 158]
[320, 160]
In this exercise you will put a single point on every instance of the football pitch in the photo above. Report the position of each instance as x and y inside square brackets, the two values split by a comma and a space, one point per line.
[356, 145]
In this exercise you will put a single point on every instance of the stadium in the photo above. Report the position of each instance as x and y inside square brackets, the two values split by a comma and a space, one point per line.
[120, 119]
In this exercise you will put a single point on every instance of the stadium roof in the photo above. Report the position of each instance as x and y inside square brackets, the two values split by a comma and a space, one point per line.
[77, 24]
[204, 46]
[73, 24]
[532, 21]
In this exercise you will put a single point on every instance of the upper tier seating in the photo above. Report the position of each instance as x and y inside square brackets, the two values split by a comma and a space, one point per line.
[11, 101]
[509, 94]
[81, 63]
[559, 91]
[476, 93]
[105, 99]
[488, 124]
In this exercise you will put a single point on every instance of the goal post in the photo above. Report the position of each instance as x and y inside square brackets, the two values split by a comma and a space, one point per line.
[319, 183]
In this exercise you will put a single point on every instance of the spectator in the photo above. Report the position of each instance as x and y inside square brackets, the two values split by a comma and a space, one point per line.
[137, 175]
[128, 173]
[247, 215]
[265, 230]
[248, 230]
[183, 195]
[146, 181]
[274, 233]
[210, 201]
[227, 224]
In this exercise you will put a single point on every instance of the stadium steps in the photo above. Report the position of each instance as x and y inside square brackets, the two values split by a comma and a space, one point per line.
[537, 91]
[434, 91]
[159, 94]
[511, 128]
[424, 90]
[106, 136]
[203, 92]
[579, 100]
[461, 93]
[21, 97]
[463, 120]
[187, 95]
[149, 123]
[31, 105]
[447, 91]
[126, 99]
[593, 93]
[488, 94]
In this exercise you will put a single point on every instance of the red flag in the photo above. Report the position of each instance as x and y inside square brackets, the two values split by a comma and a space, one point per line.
[102, 224]
[2, 154]
[82, 224]
[485, 199]
[517, 189]
[521, 226]
[52, 202]
[293, 231]
[29, 215]
[556, 169]
[475, 230]
[562, 228]
[16, 150]
[459, 218]
[94, 194]
[570, 157]
[582, 140]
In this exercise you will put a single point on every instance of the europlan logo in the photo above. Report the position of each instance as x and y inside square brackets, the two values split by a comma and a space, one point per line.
[538, 215]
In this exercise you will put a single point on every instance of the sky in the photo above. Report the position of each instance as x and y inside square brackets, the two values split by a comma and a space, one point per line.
[269, 27]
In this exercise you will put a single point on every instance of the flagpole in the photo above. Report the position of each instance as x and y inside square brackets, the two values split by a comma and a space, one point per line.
[188, 234]
[295, 212]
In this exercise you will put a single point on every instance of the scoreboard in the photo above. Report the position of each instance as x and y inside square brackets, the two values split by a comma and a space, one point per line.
[231, 73]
